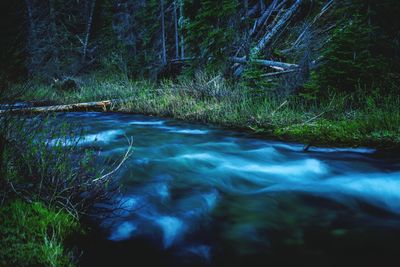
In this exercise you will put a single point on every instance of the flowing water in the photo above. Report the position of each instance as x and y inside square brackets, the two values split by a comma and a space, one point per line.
[201, 196]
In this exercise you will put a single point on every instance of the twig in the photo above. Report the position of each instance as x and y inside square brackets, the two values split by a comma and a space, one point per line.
[126, 156]
[281, 105]
[213, 79]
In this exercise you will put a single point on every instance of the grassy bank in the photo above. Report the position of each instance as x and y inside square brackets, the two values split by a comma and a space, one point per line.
[338, 120]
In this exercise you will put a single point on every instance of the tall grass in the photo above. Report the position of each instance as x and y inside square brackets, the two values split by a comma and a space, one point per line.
[335, 120]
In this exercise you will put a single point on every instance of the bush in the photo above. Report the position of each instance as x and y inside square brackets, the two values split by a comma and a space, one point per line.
[49, 166]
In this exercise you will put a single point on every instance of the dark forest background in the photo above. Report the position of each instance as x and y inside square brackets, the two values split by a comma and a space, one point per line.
[341, 45]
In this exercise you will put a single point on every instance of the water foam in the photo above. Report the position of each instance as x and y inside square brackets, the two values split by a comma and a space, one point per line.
[298, 168]
[190, 131]
[172, 228]
[102, 137]
[123, 232]
[383, 192]
[146, 123]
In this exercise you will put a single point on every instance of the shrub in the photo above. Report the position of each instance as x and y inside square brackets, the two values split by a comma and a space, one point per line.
[49, 166]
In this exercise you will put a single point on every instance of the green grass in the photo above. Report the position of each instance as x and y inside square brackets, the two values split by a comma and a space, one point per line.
[33, 235]
[338, 120]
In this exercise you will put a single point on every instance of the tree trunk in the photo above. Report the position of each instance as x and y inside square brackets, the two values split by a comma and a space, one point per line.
[181, 20]
[254, 9]
[279, 25]
[264, 17]
[262, 6]
[31, 40]
[176, 31]
[266, 63]
[54, 36]
[164, 49]
[88, 106]
[29, 9]
[88, 29]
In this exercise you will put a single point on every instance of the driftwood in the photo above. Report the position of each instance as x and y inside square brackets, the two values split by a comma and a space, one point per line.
[88, 106]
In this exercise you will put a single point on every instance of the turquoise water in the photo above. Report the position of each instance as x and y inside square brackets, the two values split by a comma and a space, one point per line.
[198, 195]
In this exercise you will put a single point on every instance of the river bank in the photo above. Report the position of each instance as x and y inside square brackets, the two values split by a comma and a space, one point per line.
[337, 120]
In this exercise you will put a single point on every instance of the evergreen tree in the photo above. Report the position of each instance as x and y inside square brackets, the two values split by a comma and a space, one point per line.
[359, 55]
[210, 29]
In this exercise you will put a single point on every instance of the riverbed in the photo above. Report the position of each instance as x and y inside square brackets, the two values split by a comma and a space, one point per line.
[196, 195]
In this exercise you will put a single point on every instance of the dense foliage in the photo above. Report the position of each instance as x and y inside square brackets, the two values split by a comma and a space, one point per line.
[361, 55]
[210, 30]
[354, 44]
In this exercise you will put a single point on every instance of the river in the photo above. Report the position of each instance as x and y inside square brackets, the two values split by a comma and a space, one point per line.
[196, 195]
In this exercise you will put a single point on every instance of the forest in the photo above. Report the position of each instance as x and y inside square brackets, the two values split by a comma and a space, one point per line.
[93, 91]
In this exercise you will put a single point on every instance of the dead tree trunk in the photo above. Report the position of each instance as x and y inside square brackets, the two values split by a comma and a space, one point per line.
[262, 6]
[264, 17]
[88, 29]
[253, 10]
[268, 36]
[88, 106]
[266, 63]
[266, 39]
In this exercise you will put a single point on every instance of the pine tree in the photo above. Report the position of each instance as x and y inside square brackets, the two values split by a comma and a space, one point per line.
[356, 56]
[210, 31]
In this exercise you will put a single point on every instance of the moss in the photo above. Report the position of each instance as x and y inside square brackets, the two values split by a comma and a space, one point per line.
[350, 133]
[32, 234]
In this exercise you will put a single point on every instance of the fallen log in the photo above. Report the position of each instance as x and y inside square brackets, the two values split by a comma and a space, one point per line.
[273, 74]
[266, 63]
[87, 106]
